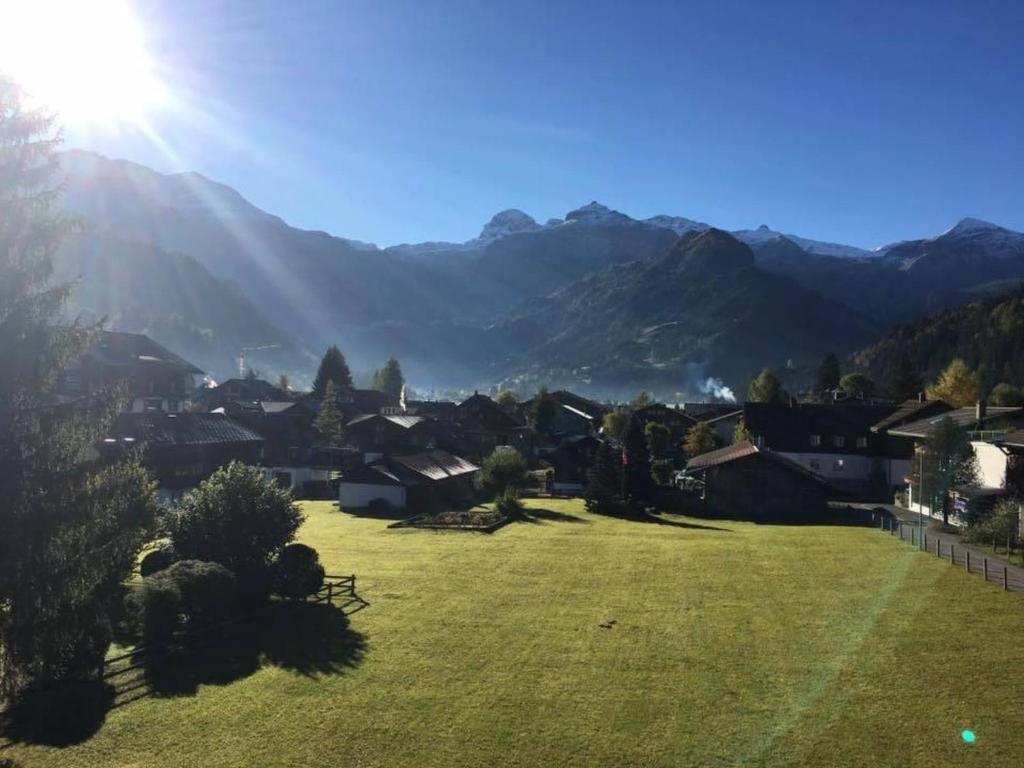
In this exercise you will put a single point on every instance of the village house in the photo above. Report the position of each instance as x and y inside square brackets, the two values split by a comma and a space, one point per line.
[751, 482]
[424, 481]
[156, 378]
[251, 390]
[485, 425]
[183, 449]
[675, 420]
[724, 423]
[835, 441]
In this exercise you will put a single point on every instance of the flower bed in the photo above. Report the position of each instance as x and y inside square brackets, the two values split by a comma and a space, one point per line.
[458, 520]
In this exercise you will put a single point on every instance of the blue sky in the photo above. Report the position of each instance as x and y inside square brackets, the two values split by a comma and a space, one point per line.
[395, 121]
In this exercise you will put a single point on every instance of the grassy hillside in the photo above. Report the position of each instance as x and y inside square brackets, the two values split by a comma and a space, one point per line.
[734, 644]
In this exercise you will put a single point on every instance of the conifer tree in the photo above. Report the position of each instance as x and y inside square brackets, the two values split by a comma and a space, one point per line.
[903, 382]
[329, 422]
[71, 524]
[637, 483]
[333, 367]
[604, 483]
[389, 379]
[828, 374]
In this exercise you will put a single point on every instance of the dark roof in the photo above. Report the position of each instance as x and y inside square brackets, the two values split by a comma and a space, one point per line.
[744, 449]
[722, 455]
[910, 410]
[1015, 439]
[710, 411]
[404, 421]
[114, 349]
[726, 415]
[277, 406]
[965, 418]
[158, 428]
[438, 408]
[481, 411]
[789, 427]
[368, 475]
[429, 465]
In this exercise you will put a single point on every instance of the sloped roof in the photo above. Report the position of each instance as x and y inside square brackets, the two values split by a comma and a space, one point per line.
[431, 465]
[722, 455]
[964, 418]
[728, 415]
[277, 406]
[158, 428]
[404, 421]
[368, 475]
[910, 410]
[115, 349]
[577, 412]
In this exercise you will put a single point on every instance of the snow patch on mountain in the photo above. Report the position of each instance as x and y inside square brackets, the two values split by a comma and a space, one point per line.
[595, 214]
[678, 224]
[764, 234]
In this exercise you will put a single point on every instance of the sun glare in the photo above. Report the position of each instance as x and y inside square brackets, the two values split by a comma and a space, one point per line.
[84, 59]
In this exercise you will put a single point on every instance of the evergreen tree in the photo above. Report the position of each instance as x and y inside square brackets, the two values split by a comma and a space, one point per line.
[615, 423]
[657, 440]
[903, 382]
[1007, 395]
[740, 434]
[700, 439]
[956, 386]
[637, 483]
[766, 388]
[857, 385]
[642, 400]
[329, 422]
[389, 379]
[828, 374]
[507, 399]
[543, 410]
[602, 495]
[333, 367]
[948, 462]
[71, 526]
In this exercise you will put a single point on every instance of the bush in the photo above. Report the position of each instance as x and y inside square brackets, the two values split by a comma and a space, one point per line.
[156, 561]
[157, 609]
[509, 505]
[298, 572]
[661, 471]
[502, 470]
[208, 590]
[236, 518]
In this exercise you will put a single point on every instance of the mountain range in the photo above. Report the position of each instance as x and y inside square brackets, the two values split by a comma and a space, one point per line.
[596, 299]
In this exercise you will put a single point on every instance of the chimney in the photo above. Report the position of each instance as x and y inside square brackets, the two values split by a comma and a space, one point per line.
[979, 411]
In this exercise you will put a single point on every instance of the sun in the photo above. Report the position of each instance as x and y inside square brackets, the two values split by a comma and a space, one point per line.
[84, 59]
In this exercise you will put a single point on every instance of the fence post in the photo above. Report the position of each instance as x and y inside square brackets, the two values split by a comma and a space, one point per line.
[967, 563]
[952, 559]
[984, 567]
[1006, 583]
[330, 593]
[924, 540]
[938, 547]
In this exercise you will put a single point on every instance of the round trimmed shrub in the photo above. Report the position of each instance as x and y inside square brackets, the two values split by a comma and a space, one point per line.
[156, 561]
[298, 572]
[208, 590]
[157, 608]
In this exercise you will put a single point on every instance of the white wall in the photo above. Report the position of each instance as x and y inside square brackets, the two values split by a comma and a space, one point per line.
[356, 495]
[992, 463]
[853, 467]
[300, 475]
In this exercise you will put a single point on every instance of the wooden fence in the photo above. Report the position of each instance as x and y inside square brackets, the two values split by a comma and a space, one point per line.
[958, 554]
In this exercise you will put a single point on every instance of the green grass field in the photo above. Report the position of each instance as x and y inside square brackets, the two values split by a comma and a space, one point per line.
[733, 644]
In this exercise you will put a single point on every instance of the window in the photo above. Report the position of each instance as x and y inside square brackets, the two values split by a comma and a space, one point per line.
[862, 442]
[838, 441]
[815, 440]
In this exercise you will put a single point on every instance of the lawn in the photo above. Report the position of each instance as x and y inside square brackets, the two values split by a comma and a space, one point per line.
[732, 644]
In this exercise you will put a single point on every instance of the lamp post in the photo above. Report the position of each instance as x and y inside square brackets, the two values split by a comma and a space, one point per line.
[920, 500]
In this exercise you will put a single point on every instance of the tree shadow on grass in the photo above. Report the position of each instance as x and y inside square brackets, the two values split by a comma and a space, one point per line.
[536, 515]
[658, 520]
[59, 717]
[311, 639]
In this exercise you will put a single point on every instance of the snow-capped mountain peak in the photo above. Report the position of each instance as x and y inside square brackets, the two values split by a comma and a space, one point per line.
[595, 213]
[678, 224]
[507, 222]
[968, 225]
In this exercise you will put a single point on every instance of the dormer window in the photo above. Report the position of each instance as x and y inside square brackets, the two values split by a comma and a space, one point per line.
[862, 442]
[838, 441]
[815, 441]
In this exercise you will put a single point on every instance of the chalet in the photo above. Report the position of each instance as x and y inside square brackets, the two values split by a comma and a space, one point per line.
[183, 449]
[751, 482]
[156, 378]
[676, 420]
[375, 434]
[571, 461]
[234, 390]
[485, 425]
[440, 410]
[420, 481]
[833, 440]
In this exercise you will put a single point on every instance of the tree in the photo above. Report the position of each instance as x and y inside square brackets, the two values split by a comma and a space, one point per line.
[282, 382]
[828, 374]
[333, 367]
[504, 468]
[956, 385]
[329, 422]
[700, 439]
[236, 517]
[857, 385]
[507, 399]
[766, 388]
[740, 433]
[642, 400]
[71, 526]
[1006, 394]
[657, 439]
[637, 483]
[389, 379]
[543, 410]
[903, 382]
[615, 423]
[298, 572]
[604, 483]
[948, 463]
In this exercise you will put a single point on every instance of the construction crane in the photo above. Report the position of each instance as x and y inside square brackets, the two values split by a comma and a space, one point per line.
[241, 356]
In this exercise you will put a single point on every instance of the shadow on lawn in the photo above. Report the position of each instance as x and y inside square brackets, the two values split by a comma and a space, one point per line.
[312, 639]
[536, 515]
